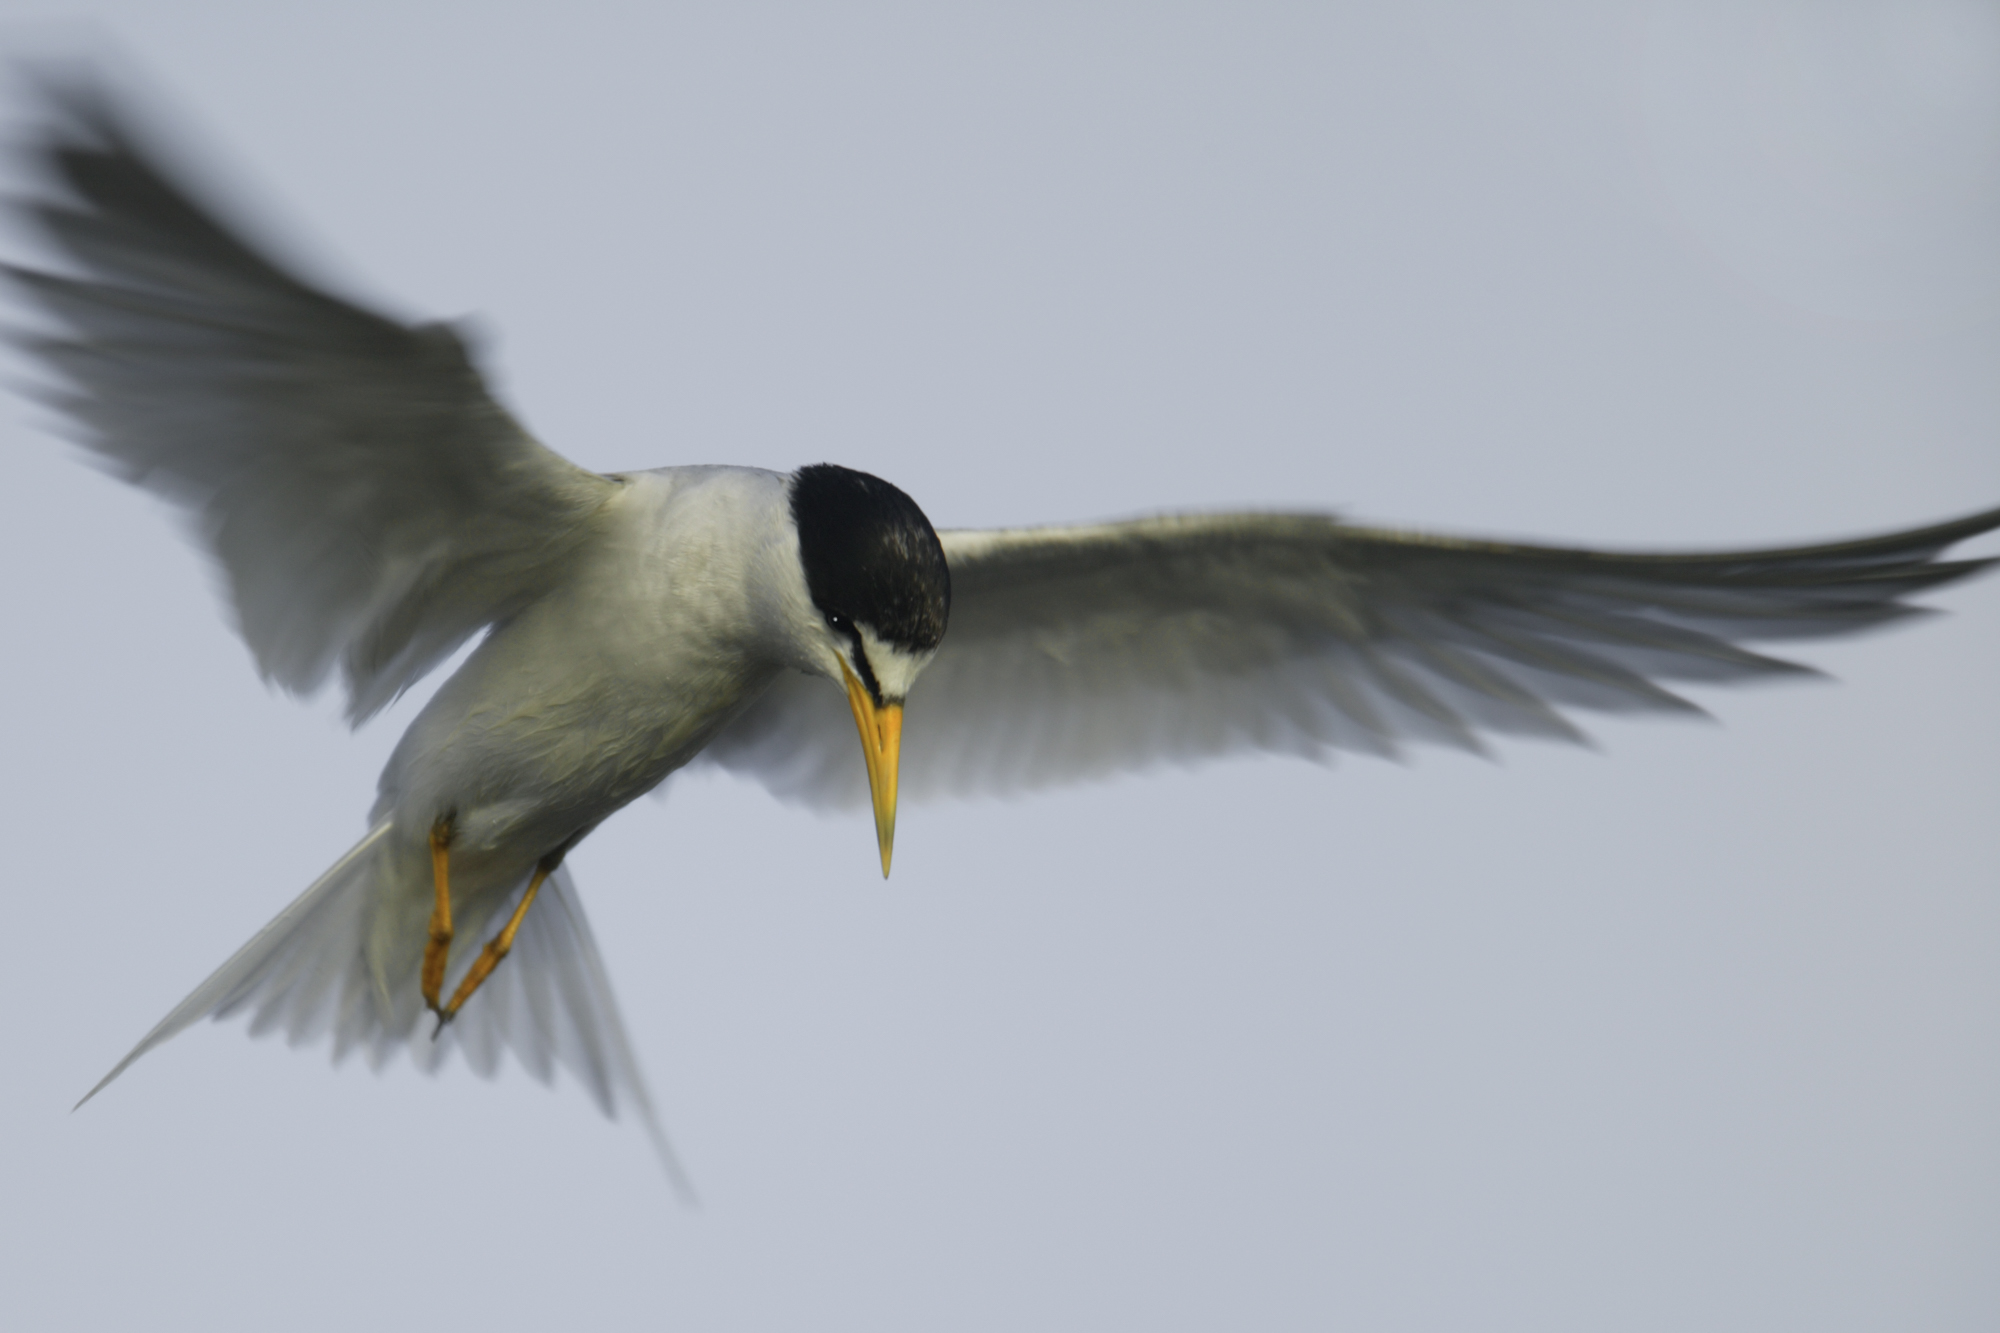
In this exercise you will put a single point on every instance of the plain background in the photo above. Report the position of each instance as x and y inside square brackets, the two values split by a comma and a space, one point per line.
[1698, 1032]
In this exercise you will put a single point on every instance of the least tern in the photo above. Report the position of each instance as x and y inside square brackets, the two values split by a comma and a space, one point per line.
[372, 508]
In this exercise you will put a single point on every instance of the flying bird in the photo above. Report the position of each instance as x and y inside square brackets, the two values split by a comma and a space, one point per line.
[372, 507]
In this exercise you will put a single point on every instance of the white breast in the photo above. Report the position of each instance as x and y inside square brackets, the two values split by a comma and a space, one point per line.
[672, 622]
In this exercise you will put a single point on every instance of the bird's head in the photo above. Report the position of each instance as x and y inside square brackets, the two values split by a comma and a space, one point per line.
[879, 582]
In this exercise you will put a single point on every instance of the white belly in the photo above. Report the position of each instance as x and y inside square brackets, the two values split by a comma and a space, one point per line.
[595, 693]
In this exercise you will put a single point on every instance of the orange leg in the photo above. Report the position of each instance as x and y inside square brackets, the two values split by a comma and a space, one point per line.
[497, 948]
[437, 951]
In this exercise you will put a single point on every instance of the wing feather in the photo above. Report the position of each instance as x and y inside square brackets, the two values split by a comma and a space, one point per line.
[370, 504]
[1077, 653]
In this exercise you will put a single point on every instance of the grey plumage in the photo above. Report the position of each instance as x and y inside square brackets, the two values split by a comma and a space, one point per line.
[305, 975]
[1078, 653]
[372, 508]
[369, 503]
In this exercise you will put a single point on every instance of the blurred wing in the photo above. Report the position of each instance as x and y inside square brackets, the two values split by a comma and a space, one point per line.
[367, 499]
[1075, 653]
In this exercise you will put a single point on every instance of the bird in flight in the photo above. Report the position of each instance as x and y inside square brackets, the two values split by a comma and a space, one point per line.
[372, 507]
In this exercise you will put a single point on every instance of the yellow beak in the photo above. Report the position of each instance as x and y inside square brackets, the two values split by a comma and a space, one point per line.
[881, 742]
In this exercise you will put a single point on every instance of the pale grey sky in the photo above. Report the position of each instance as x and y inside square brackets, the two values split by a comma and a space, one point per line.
[1698, 1032]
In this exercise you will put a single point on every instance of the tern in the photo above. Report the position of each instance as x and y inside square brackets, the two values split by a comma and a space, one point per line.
[372, 508]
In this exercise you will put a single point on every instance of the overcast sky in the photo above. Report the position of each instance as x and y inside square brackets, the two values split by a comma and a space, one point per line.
[1700, 1031]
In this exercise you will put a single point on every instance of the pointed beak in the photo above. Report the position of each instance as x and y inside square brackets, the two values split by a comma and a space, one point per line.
[881, 743]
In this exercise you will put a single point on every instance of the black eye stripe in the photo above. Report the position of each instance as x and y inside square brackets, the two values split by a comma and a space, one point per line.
[867, 672]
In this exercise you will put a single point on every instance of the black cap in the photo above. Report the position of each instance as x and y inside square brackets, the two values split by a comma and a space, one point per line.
[871, 557]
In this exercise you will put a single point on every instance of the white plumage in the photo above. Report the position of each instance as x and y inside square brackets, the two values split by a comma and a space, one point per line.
[372, 508]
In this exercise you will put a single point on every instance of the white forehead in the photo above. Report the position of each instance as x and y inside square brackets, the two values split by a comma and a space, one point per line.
[895, 668]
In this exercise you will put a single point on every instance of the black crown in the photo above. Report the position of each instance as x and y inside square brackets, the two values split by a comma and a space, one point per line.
[871, 557]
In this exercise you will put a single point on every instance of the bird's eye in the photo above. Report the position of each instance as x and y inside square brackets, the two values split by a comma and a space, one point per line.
[838, 622]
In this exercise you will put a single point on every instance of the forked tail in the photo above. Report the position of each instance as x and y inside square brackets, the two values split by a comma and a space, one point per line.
[308, 973]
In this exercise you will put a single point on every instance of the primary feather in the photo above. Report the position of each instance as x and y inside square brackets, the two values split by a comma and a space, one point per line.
[372, 507]
[367, 500]
[1081, 652]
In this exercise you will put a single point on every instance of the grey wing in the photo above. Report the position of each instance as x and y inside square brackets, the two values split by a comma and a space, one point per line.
[1076, 653]
[368, 501]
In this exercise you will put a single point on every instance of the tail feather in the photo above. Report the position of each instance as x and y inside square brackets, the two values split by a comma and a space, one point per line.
[312, 973]
[268, 951]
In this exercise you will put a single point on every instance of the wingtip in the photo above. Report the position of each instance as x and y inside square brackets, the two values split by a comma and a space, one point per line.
[78, 100]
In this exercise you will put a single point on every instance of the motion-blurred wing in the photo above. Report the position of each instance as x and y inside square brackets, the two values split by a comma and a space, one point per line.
[368, 501]
[1075, 653]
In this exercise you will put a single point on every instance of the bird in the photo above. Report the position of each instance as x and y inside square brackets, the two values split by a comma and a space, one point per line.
[372, 508]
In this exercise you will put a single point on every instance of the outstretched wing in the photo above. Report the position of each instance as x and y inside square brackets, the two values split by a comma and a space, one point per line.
[367, 499]
[1076, 653]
